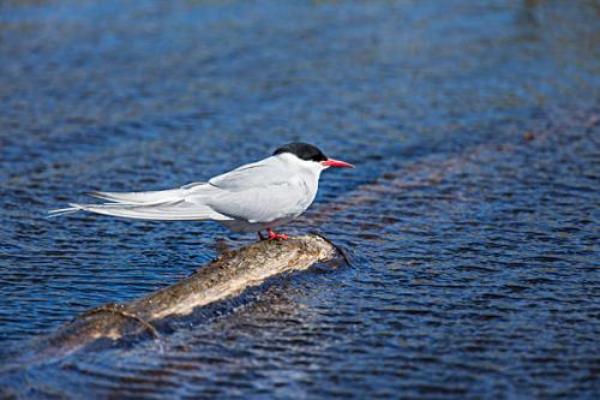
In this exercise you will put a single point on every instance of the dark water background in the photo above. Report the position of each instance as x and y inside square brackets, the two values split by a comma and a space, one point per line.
[472, 219]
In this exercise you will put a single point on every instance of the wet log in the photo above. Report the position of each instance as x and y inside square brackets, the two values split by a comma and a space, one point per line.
[225, 277]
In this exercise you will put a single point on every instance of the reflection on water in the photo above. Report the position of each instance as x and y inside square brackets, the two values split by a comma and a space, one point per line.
[471, 219]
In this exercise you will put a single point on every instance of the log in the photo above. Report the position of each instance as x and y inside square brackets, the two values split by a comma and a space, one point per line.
[225, 277]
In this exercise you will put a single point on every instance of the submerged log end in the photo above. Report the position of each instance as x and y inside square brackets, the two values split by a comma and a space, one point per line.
[227, 276]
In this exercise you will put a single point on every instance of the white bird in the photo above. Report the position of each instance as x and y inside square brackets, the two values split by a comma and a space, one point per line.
[250, 198]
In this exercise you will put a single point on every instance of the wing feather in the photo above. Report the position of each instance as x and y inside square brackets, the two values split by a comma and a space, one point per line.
[152, 196]
[259, 174]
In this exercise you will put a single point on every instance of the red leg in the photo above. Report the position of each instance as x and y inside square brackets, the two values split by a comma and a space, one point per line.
[276, 236]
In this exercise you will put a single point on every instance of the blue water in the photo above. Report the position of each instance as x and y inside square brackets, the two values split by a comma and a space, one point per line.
[471, 219]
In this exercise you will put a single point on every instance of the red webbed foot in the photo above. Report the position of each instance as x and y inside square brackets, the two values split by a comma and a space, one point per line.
[276, 236]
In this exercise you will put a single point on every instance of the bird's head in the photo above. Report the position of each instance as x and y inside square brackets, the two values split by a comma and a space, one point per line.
[311, 155]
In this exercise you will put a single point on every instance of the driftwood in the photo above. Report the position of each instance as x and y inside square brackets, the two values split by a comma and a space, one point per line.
[230, 274]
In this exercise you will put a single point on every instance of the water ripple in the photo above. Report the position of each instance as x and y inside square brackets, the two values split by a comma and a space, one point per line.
[469, 222]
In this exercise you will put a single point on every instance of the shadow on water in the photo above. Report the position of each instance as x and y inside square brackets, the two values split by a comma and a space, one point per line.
[470, 220]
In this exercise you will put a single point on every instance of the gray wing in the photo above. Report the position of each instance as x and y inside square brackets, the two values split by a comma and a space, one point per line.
[260, 192]
[261, 173]
[263, 203]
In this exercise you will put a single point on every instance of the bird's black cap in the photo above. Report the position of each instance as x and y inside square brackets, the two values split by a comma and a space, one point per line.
[303, 151]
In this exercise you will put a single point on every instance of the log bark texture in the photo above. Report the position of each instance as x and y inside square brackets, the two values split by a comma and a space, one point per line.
[227, 276]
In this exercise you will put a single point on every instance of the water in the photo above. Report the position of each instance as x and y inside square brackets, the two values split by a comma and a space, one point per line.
[471, 220]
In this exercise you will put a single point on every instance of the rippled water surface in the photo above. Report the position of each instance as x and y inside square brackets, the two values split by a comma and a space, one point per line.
[471, 221]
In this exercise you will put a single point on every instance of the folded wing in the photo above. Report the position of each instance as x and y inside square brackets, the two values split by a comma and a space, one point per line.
[255, 192]
[263, 173]
[152, 196]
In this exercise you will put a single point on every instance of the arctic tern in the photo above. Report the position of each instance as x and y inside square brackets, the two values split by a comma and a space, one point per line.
[251, 198]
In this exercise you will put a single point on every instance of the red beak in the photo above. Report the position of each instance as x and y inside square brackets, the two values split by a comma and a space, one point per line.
[337, 164]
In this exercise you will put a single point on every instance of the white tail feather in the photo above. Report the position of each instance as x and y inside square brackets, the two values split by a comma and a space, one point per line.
[178, 210]
[149, 197]
[63, 211]
[139, 197]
